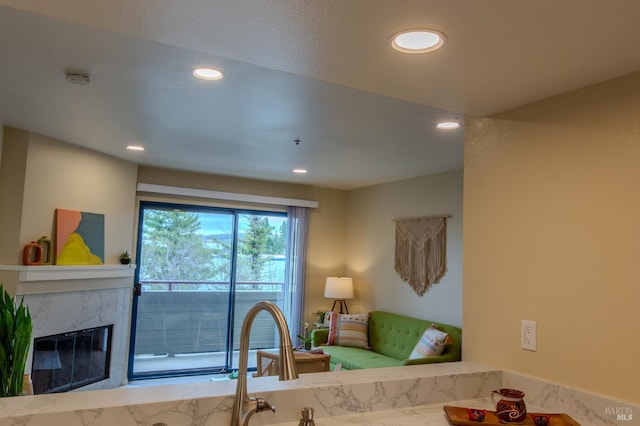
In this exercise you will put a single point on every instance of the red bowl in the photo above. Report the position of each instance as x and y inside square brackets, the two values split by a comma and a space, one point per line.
[476, 415]
[540, 420]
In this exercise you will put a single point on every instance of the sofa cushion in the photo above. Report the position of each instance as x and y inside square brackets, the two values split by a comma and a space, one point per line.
[357, 358]
[431, 343]
[395, 335]
[349, 330]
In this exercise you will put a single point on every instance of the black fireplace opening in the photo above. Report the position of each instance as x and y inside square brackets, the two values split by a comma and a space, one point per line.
[67, 361]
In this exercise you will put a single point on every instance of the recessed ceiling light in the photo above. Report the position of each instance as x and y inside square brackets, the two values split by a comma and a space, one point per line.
[448, 125]
[208, 73]
[135, 148]
[300, 171]
[417, 40]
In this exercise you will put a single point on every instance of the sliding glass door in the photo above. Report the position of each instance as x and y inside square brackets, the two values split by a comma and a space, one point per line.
[199, 271]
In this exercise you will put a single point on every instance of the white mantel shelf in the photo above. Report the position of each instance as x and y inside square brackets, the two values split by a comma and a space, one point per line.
[43, 279]
[58, 273]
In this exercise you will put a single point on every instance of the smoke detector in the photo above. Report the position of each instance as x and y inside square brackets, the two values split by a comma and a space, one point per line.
[77, 77]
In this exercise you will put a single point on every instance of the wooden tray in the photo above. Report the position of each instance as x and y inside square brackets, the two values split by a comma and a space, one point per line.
[460, 417]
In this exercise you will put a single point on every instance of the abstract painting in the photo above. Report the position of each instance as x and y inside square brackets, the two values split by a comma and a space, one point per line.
[79, 238]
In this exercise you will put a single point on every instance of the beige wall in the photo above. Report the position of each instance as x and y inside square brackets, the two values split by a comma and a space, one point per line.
[12, 176]
[213, 182]
[326, 248]
[44, 174]
[552, 234]
[364, 248]
[370, 237]
[1, 137]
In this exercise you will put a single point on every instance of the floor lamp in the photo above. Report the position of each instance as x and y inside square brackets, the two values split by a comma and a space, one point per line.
[340, 289]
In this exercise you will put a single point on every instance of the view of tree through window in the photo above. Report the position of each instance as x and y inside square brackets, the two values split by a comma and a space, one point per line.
[193, 250]
[261, 244]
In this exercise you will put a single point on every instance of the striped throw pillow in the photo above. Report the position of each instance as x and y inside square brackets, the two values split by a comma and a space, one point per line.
[349, 330]
[431, 343]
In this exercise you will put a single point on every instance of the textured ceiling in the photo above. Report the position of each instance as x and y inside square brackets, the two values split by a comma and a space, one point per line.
[319, 70]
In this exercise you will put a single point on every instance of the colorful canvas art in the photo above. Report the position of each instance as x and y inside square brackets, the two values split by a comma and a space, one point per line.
[79, 238]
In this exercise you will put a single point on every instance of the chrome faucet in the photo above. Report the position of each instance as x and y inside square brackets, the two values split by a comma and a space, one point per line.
[243, 406]
[307, 417]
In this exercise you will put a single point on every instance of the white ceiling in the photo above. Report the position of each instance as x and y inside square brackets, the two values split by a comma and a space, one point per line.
[318, 70]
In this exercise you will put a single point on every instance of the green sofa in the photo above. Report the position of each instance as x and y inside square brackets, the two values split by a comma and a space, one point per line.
[392, 338]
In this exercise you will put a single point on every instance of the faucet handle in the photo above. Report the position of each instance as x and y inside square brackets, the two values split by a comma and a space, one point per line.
[307, 417]
[307, 413]
[262, 405]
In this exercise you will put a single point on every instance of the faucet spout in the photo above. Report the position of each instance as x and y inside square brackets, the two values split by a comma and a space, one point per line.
[243, 406]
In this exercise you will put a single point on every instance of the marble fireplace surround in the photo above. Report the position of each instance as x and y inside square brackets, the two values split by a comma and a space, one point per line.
[398, 396]
[63, 299]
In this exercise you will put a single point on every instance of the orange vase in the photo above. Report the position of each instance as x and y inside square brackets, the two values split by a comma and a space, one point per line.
[32, 254]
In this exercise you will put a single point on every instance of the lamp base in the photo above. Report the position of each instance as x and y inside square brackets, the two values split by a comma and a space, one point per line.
[342, 302]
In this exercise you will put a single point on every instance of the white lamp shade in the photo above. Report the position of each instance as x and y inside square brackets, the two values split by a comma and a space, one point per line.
[338, 288]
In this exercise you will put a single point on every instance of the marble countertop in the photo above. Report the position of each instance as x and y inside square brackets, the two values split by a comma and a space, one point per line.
[137, 395]
[424, 415]
[395, 396]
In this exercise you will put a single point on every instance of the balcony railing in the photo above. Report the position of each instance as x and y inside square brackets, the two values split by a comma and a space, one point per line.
[187, 317]
[184, 285]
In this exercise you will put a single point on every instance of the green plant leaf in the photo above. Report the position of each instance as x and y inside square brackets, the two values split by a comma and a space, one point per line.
[3, 328]
[7, 317]
[15, 338]
[304, 339]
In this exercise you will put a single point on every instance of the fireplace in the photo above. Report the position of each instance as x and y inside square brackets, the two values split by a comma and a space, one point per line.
[66, 302]
[66, 361]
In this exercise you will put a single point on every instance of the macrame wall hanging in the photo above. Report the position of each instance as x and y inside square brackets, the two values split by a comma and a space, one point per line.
[420, 257]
